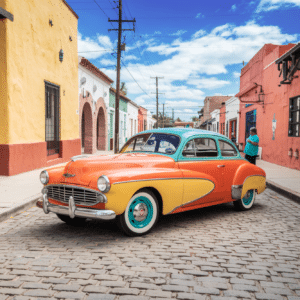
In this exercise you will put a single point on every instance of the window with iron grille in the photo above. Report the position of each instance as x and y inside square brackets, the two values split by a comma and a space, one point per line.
[52, 118]
[294, 119]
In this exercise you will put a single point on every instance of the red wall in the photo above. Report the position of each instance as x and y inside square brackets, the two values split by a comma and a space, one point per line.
[263, 70]
[222, 126]
[142, 117]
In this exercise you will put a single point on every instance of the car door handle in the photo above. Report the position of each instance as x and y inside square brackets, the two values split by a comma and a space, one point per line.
[221, 166]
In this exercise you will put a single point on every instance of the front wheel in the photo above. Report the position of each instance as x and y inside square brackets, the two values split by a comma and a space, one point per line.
[141, 214]
[73, 222]
[246, 202]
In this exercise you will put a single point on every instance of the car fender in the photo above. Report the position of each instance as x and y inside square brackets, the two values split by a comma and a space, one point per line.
[125, 183]
[248, 177]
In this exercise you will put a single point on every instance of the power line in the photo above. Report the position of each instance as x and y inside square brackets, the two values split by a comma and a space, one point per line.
[103, 12]
[136, 81]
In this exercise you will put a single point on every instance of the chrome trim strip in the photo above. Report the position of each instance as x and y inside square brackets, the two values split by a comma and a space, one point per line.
[154, 179]
[77, 157]
[81, 212]
[98, 193]
[236, 191]
[45, 204]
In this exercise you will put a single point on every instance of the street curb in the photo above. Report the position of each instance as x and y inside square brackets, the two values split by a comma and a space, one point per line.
[12, 211]
[283, 191]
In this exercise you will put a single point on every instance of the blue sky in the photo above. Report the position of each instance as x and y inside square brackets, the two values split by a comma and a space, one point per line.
[197, 46]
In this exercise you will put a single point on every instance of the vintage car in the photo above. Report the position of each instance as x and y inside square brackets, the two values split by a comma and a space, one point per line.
[157, 172]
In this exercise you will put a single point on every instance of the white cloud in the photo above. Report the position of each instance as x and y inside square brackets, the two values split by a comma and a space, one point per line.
[188, 110]
[107, 62]
[199, 15]
[267, 5]
[105, 41]
[90, 48]
[130, 57]
[233, 7]
[192, 66]
[199, 33]
[179, 32]
[208, 83]
[157, 32]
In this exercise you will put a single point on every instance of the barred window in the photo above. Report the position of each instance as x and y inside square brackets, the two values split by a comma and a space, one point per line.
[294, 119]
[52, 118]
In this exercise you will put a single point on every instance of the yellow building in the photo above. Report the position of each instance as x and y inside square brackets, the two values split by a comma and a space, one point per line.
[39, 124]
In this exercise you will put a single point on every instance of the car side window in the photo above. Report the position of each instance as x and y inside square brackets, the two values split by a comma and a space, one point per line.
[227, 149]
[200, 147]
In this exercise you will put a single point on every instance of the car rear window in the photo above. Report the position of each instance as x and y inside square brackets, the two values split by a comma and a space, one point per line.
[200, 147]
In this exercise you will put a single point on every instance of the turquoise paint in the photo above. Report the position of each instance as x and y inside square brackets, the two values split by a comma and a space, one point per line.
[247, 200]
[122, 103]
[132, 220]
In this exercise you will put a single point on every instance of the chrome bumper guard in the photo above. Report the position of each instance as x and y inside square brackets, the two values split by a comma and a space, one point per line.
[72, 211]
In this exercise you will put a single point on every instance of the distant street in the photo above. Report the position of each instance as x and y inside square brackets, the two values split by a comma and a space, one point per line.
[211, 253]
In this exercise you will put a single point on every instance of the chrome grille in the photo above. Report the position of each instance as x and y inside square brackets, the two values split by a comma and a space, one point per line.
[82, 196]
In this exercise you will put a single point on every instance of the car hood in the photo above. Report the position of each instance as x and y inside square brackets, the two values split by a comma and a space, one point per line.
[86, 169]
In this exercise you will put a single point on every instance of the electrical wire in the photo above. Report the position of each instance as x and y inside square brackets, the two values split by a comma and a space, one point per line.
[137, 82]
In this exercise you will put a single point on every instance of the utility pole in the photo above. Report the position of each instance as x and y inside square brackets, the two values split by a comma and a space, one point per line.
[173, 115]
[163, 115]
[120, 48]
[157, 97]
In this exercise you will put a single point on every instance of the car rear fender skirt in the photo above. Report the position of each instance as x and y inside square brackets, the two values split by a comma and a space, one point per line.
[254, 182]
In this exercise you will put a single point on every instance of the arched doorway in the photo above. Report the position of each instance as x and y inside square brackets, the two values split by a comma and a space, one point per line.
[87, 129]
[101, 130]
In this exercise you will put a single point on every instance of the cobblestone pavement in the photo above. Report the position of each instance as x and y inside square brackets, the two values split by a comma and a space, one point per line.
[212, 253]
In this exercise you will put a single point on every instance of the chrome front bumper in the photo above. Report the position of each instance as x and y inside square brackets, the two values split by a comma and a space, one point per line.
[72, 211]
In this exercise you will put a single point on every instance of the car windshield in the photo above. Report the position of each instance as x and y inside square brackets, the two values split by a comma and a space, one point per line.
[152, 142]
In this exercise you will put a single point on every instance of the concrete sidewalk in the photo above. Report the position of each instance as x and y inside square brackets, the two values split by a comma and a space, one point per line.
[20, 192]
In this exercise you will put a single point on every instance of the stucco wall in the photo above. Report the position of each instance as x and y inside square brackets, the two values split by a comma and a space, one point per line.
[33, 56]
[232, 112]
[132, 115]
[3, 82]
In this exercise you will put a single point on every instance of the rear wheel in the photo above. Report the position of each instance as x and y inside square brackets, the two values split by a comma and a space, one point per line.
[73, 222]
[246, 202]
[141, 214]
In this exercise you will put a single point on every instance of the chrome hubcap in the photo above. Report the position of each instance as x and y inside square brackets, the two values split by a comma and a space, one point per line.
[140, 212]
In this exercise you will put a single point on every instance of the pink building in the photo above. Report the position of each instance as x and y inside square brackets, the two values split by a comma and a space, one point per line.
[270, 101]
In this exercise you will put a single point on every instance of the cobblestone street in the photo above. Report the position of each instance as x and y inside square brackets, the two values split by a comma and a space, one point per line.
[211, 253]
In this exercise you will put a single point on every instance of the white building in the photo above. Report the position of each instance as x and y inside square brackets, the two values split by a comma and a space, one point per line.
[232, 117]
[93, 106]
[132, 117]
[150, 121]
[215, 116]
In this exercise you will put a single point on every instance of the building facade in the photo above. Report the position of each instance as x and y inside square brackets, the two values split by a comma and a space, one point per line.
[232, 117]
[150, 121]
[210, 104]
[142, 117]
[272, 103]
[215, 116]
[133, 112]
[39, 125]
[123, 107]
[94, 88]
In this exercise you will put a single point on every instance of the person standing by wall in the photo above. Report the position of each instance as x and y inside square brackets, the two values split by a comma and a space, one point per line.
[251, 148]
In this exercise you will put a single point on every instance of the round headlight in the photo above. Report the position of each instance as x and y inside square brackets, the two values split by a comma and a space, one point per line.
[103, 184]
[44, 177]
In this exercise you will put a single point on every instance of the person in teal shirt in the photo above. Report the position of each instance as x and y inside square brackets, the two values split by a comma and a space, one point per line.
[251, 148]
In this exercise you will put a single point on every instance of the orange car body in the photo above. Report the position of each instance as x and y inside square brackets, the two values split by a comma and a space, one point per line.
[180, 182]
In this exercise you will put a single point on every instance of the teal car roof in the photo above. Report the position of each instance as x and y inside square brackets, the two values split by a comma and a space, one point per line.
[184, 132]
